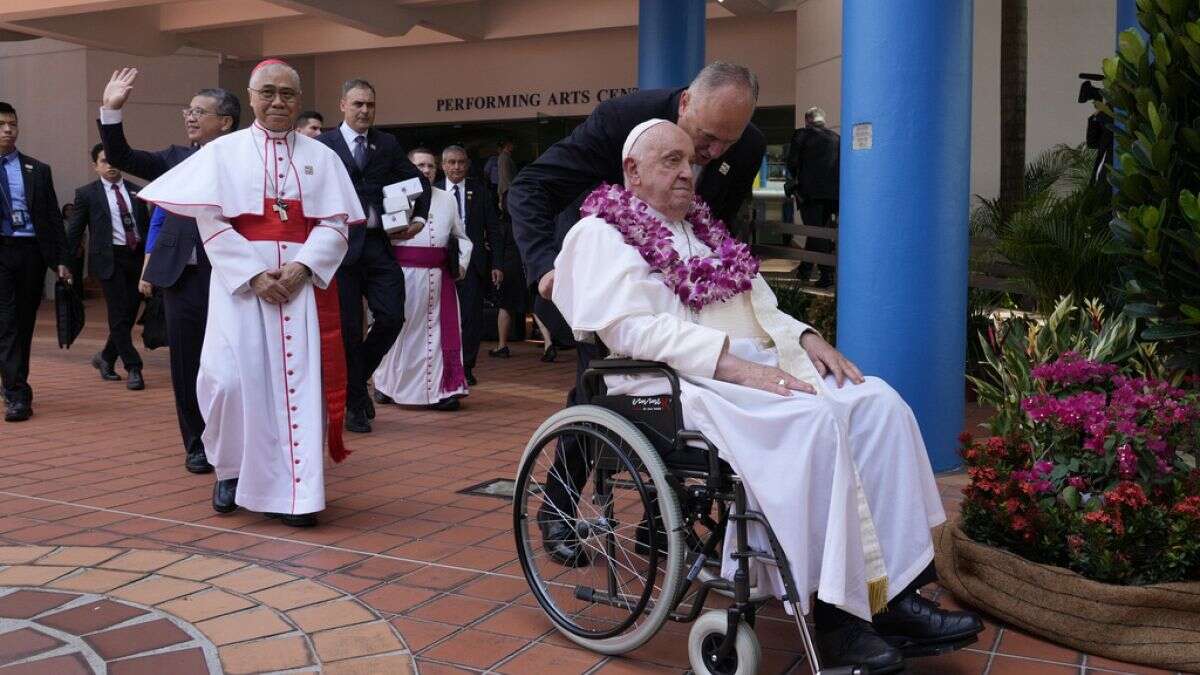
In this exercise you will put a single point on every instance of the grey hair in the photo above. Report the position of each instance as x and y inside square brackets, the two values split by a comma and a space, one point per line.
[454, 148]
[815, 114]
[227, 103]
[356, 83]
[722, 74]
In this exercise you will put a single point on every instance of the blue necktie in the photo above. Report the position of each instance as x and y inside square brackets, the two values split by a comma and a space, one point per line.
[5, 201]
[458, 203]
[360, 152]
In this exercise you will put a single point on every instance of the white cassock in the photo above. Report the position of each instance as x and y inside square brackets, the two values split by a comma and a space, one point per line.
[260, 383]
[424, 366]
[802, 458]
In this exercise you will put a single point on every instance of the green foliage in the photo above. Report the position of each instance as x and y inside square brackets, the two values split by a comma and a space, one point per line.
[818, 311]
[1152, 90]
[1055, 240]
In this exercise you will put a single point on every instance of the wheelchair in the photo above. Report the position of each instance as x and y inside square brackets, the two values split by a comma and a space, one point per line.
[652, 502]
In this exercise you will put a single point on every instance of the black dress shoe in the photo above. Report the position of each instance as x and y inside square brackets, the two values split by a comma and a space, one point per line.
[550, 354]
[370, 409]
[499, 353]
[197, 462]
[448, 404]
[224, 492]
[295, 519]
[382, 398]
[17, 411]
[855, 643]
[471, 378]
[560, 541]
[106, 369]
[135, 383]
[918, 627]
[356, 421]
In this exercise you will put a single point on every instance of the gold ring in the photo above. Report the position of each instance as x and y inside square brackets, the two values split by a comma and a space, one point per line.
[782, 382]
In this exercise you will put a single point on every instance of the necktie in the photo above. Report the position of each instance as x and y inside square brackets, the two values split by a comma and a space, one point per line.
[5, 200]
[131, 239]
[458, 202]
[360, 152]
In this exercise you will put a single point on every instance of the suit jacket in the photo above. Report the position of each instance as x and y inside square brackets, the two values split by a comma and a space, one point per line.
[484, 226]
[386, 164]
[814, 161]
[178, 238]
[92, 212]
[553, 186]
[42, 204]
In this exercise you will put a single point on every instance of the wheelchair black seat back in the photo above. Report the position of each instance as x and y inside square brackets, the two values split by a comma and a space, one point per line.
[619, 513]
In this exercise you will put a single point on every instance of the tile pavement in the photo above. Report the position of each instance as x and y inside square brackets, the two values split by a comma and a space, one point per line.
[403, 572]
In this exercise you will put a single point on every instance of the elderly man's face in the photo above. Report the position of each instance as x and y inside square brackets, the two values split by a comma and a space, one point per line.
[660, 170]
[715, 120]
[203, 123]
[275, 97]
[454, 165]
[426, 163]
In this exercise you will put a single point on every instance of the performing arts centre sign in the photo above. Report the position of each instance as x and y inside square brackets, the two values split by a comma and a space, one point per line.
[530, 100]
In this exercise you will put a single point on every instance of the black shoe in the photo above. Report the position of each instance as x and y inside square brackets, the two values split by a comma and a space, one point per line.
[560, 541]
[918, 627]
[471, 378]
[448, 404]
[224, 492]
[356, 421]
[550, 354]
[106, 369]
[197, 462]
[856, 643]
[135, 383]
[500, 353]
[295, 519]
[382, 398]
[17, 412]
[370, 409]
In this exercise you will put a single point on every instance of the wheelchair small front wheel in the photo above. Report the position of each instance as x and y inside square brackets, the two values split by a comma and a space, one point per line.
[704, 645]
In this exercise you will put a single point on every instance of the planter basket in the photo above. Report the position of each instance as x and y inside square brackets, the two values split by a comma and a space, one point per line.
[1156, 625]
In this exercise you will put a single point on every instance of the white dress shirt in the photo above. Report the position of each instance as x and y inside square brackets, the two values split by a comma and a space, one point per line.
[349, 135]
[462, 195]
[114, 210]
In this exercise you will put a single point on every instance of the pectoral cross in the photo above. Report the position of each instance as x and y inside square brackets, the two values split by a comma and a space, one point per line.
[281, 209]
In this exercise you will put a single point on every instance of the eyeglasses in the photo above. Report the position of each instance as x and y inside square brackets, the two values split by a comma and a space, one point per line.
[269, 93]
[197, 112]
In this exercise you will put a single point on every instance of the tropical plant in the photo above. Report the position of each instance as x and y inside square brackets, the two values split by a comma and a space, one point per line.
[1152, 91]
[816, 310]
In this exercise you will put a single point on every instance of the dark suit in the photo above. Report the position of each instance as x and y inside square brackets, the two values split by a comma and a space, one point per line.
[482, 218]
[118, 267]
[814, 162]
[545, 196]
[23, 265]
[185, 286]
[369, 268]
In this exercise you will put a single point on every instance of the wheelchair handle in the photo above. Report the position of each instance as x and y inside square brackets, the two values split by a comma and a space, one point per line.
[592, 379]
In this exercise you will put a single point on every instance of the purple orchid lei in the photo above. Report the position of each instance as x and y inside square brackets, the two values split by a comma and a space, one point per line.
[698, 280]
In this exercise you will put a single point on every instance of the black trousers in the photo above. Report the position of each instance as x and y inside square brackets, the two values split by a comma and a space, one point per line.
[470, 309]
[123, 300]
[818, 213]
[570, 469]
[22, 271]
[186, 305]
[377, 277]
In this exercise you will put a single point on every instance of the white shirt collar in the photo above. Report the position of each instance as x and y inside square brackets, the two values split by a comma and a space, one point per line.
[450, 185]
[349, 135]
[109, 183]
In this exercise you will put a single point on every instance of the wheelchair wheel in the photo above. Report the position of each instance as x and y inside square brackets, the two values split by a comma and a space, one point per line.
[603, 488]
[704, 642]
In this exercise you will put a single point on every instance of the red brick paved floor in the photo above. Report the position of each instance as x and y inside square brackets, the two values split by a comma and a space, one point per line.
[102, 466]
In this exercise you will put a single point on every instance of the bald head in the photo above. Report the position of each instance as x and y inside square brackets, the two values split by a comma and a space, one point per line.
[716, 108]
[275, 96]
[658, 169]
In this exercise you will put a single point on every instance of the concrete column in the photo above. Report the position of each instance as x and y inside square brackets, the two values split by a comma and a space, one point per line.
[670, 42]
[905, 182]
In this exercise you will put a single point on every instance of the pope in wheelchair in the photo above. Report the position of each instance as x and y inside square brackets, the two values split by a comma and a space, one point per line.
[821, 473]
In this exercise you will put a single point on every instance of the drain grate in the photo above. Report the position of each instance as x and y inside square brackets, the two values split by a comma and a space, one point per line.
[500, 488]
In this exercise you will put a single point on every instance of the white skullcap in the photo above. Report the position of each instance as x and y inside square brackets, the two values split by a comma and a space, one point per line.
[632, 138]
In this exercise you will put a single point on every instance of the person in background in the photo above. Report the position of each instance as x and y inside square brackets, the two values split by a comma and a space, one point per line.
[813, 163]
[309, 123]
[491, 169]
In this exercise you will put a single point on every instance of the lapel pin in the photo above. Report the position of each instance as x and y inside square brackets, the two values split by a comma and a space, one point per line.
[29, 167]
[372, 146]
[724, 168]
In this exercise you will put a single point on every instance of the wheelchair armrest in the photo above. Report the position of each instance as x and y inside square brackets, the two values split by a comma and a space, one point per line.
[627, 364]
[598, 369]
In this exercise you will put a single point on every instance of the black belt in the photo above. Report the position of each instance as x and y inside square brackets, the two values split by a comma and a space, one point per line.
[9, 239]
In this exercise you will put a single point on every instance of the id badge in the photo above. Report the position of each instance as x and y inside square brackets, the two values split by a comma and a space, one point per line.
[20, 220]
[127, 221]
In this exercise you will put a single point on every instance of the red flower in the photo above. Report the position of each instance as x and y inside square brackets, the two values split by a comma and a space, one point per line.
[1189, 507]
[1129, 494]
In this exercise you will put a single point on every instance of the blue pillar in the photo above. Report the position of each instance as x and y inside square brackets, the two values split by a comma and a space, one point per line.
[1127, 17]
[905, 201]
[670, 42]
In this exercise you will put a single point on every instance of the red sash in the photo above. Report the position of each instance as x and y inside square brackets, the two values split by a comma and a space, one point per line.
[268, 227]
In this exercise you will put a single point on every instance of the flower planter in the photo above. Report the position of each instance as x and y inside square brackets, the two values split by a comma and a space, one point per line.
[1156, 625]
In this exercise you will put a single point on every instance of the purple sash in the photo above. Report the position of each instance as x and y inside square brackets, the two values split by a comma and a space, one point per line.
[429, 257]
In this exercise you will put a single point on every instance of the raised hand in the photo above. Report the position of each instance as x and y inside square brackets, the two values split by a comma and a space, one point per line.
[116, 92]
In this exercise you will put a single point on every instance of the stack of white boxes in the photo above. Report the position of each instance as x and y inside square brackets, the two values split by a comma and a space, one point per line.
[397, 203]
